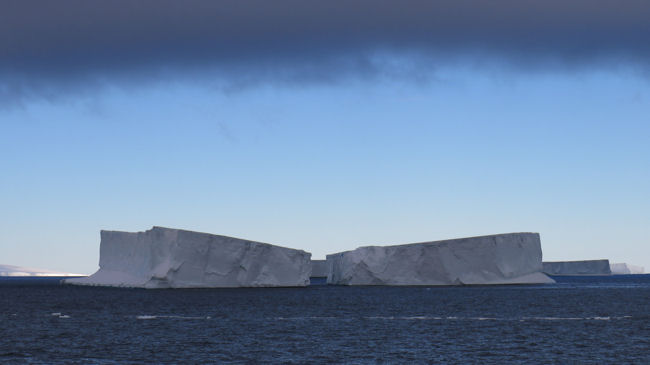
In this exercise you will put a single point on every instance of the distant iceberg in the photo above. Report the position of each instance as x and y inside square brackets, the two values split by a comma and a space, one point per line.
[173, 258]
[319, 269]
[513, 258]
[14, 271]
[626, 269]
[584, 267]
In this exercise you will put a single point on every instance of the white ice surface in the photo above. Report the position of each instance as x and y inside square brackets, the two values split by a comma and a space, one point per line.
[11, 270]
[626, 269]
[172, 258]
[514, 258]
[584, 267]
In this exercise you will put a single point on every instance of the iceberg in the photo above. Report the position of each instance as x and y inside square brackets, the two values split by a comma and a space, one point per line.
[319, 268]
[13, 271]
[626, 269]
[512, 258]
[173, 258]
[585, 267]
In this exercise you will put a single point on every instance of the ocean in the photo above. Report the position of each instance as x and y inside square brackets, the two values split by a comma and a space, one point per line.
[577, 320]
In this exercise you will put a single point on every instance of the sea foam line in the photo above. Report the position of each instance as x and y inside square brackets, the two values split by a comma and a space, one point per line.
[147, 317]
[454, 318]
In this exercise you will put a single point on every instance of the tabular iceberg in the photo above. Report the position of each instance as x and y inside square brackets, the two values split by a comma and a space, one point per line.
[319, 268]
[173, 258]
[626, 269]
[585, 267]
[513, 258]
[11, 270]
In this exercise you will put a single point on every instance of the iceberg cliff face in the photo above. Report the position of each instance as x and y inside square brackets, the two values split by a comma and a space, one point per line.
[585, 267]
[514, 258]
[626, 269]
[319, 268]
[172, 258]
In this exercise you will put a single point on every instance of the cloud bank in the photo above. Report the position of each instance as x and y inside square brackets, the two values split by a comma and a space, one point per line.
[59, 45]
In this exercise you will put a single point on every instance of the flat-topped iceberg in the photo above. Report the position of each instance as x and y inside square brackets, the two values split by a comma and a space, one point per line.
[626, 269]
[513, 258]
[319, 268]
[174, 258]
[13, 271]
[584, 267]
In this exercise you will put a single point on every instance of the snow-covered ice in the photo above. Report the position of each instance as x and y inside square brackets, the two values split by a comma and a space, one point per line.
[173, 258]
[584, 267]
[11, 270]
[513, 258]
[626, 269]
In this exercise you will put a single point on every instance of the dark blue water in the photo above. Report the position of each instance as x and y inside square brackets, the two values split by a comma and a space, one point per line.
[578, 320]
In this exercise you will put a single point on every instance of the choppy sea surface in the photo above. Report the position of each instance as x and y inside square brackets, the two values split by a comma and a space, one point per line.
[577, 320]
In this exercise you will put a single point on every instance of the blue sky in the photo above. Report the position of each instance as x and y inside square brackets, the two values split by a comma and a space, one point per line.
[330, 166]
[324, 125]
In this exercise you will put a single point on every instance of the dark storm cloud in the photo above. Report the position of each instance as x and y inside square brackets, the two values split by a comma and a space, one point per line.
[69, 42]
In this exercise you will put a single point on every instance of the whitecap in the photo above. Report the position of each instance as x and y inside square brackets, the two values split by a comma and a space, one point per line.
[554, 318]
[145, 316]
